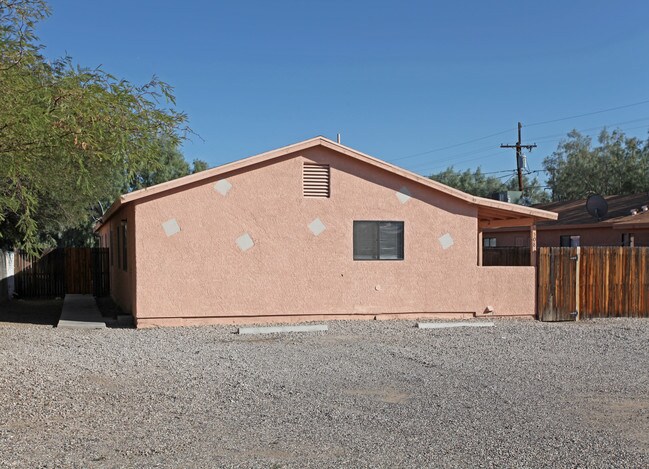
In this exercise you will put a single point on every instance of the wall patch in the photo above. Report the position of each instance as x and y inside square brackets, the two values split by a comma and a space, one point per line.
[223, 187]
[403, 195]
[245, 242]
[171, 227]
[316, 226]
[446, 241]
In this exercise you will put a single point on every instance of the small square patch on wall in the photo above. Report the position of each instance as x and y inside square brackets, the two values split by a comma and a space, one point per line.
[223, 187]
[446, 241]
[245, 242]
[171, 227]
[316, 226]
[403, 195]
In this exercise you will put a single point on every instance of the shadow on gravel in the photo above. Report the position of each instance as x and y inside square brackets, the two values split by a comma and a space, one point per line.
[113, 315]
[31, 311]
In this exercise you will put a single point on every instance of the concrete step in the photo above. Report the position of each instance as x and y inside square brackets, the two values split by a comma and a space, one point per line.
[80, 312]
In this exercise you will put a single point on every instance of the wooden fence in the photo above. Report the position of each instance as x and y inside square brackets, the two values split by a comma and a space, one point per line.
[40, 276]
[509, 255]
[614, 282]
[61, 271]
[592, 282]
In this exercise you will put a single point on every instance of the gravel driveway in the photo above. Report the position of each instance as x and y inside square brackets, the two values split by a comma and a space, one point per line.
[364, 394]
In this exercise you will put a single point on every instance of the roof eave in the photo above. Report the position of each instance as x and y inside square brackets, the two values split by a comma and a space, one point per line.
[537, 214]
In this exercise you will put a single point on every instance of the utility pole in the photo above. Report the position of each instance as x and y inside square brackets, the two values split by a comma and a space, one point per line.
[519, 155]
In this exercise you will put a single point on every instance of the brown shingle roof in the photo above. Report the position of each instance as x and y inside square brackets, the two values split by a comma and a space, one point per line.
[619, 211]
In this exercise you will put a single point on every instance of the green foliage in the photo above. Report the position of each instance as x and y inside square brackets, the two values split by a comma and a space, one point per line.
[199, 165]
[482, 185]
[70, 136]
[619, 165]
[170, 164]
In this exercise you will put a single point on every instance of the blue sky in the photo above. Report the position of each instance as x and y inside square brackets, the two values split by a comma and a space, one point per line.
[394, 78]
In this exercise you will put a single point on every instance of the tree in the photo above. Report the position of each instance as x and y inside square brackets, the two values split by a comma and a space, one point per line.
[199, 165]
[69, 135]
[482, 185]
[170, 164]
[618, 165]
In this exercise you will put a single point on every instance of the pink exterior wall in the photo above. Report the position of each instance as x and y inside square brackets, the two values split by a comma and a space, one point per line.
[122, 282]
[199, 275]
[599, 236]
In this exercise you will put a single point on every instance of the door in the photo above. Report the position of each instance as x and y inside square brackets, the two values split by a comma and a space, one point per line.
[557, 284]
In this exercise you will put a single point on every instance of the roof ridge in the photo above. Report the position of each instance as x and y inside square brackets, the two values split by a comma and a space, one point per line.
[309, 143]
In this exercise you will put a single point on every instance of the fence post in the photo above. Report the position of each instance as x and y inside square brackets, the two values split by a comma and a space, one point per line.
[577, 286]
[533, 245]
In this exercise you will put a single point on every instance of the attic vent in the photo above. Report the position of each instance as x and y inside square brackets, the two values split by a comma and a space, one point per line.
[315, 180]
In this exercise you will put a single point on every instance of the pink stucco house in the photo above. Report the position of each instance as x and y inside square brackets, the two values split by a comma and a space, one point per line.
[311, 231]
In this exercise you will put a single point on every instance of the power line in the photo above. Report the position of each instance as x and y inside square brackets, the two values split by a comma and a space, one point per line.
[430, 168]
[540, 139]
[498, 172]
[588, 113]
[455, 145]
[599, 127]
[452, 157]
[451, 146]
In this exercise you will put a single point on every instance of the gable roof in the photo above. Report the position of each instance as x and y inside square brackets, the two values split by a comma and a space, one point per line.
[619, 211]
[491, 213]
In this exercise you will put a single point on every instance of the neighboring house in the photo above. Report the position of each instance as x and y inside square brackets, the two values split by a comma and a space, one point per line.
[311, 231]
[626, 223]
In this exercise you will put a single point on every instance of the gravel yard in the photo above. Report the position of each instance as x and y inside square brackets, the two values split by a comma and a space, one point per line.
[366, 393]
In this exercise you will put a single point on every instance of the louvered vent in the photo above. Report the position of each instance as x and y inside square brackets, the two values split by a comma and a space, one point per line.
[315, 180]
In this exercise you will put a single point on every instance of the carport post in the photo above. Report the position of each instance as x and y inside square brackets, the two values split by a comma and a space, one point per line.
[533, 245]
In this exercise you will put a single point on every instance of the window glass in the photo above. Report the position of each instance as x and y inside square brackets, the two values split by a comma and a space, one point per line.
[124, 244]
[569, 241]
[489, 242]
[378, 240]
[366, 240]
[391, 240]
[119, 247]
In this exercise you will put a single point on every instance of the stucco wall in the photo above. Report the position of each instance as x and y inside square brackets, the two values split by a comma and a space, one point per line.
[122, 281]
[200, 272]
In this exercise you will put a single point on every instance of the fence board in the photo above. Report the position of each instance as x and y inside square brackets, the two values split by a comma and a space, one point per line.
[39, 276]
[615, 282]
[61, 271]
[556, 284]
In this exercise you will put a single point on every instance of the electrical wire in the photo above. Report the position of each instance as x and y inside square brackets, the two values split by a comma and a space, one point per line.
[451, 158]
[533, 124]
[430, 168]
[451, 146]
[560, 119]
[599, 127]
[549, 137]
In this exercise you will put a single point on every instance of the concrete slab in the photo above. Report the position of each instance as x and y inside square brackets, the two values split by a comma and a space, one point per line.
[276, 329]
[80, 312]
[446, 325]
